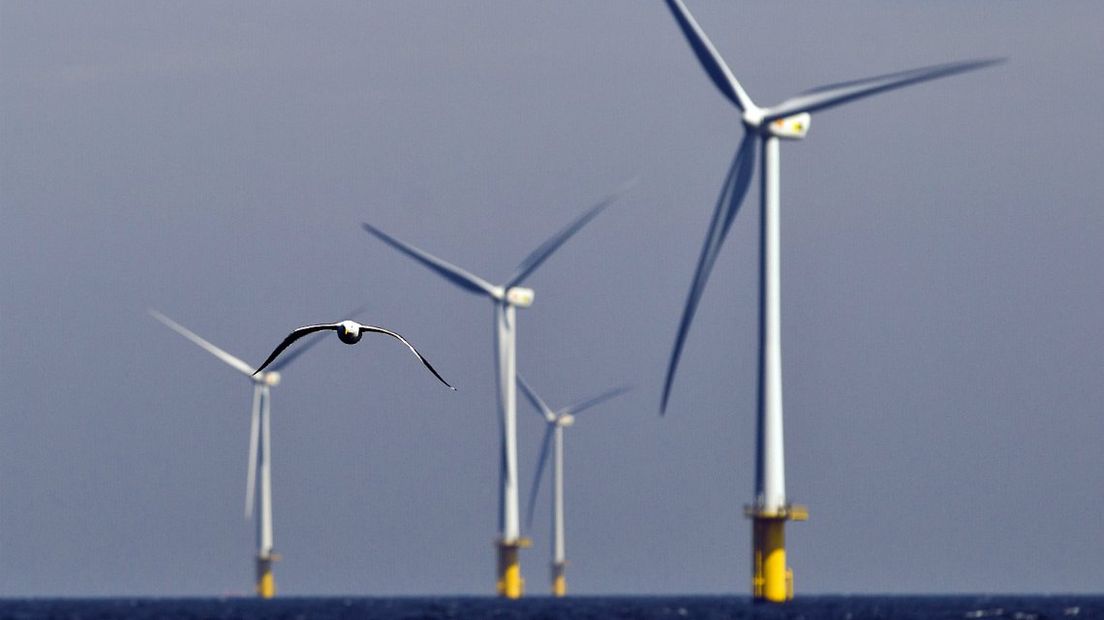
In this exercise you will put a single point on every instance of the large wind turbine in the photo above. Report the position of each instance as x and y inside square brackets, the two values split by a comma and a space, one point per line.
[260, 450]
[556, 422]
[772, 579]
[506, 298]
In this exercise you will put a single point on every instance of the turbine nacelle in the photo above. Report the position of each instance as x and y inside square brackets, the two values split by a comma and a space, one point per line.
[519, 296]
[271, 378]
[788, 128]
[565, 419]
[791, 127]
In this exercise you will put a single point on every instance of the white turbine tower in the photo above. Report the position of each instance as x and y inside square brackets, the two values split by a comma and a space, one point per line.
[772, 579]
[556, 422]
[260, 445]
[506, 299]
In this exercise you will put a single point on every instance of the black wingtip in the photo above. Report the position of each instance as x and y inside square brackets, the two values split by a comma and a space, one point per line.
[433, 370]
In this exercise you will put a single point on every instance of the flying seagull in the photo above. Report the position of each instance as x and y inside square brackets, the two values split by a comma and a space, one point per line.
[349, 332]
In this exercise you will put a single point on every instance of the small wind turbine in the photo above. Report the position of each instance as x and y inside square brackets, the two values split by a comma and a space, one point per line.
[260, 450]
[506, 298]
[556, 422]
[772, 579]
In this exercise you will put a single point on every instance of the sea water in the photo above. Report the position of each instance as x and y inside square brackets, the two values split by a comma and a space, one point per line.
[583, 607]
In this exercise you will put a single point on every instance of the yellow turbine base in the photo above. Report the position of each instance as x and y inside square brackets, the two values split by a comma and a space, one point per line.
[266, 581]
[510, 583]
[772, 579]
[559, 580]
[768, 580]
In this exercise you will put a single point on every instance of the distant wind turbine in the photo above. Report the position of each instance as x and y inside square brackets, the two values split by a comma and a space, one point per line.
[556, 422]
[506, 299]
[259, 437]
[772, 579]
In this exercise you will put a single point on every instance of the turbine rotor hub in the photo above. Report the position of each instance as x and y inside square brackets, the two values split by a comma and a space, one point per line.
[753, 117]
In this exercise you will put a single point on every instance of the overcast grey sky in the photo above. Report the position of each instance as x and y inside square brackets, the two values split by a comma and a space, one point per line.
[942, 291]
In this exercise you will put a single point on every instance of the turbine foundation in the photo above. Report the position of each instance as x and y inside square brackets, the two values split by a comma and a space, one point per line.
[771, 578]
[559, 579]
[266, 581]
[510, 584]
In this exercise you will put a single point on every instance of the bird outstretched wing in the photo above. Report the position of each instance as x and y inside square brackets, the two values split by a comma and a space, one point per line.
[425, 362]
[292, 337]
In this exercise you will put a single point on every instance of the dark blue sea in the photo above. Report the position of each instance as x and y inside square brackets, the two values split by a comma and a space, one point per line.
[584, 607]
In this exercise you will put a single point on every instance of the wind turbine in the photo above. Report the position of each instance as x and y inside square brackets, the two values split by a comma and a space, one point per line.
[556, 422]
[506, 298]
[260, 444]
[772, 580]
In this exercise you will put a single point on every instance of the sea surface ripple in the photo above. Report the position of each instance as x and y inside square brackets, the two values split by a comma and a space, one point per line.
[572, 608]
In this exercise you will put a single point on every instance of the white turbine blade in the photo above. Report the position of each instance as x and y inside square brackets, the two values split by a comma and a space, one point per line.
[542, 408]
[732, 196]
[597, 400]
[710, 59]
[541, 460]
[464, 279]
[206, 346]
[838, 94]
[546, 249]
[254, 431]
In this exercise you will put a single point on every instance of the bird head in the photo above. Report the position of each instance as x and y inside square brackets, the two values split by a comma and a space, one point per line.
[348, 332]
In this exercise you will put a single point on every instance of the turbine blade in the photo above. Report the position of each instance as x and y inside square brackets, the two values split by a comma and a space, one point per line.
[234, 362]
[709, 58]
[541, 460]
[732, 196]
[541, 407]
[251, 474]
[833, 95]
[452, 273]
[539, 255]
[597, 400]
